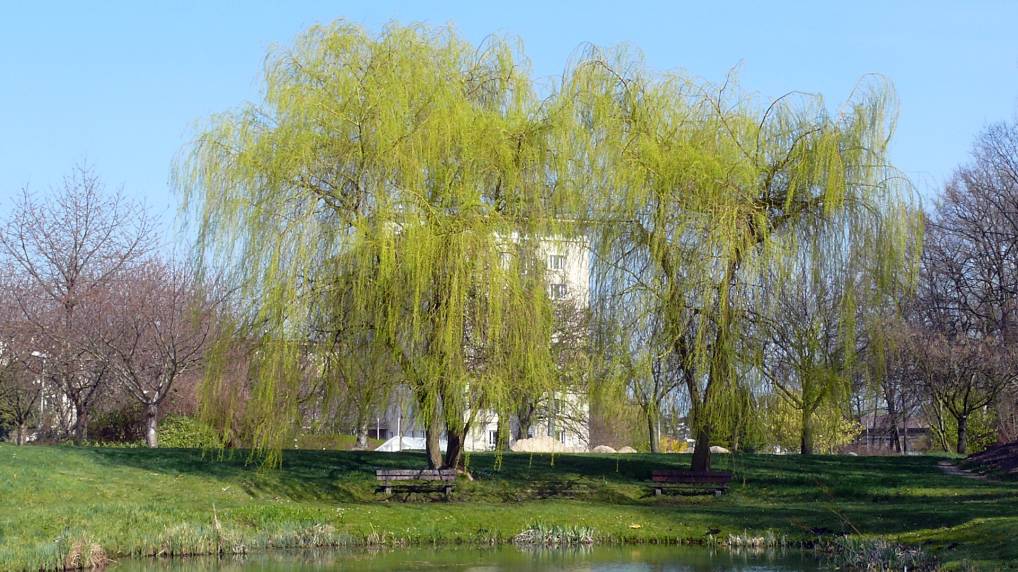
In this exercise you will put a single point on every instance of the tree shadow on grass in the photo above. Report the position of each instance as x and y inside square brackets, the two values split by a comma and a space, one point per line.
[872, 494]
[349, 476]
[327, 476]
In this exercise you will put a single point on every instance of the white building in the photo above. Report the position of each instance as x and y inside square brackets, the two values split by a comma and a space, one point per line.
[565, 417]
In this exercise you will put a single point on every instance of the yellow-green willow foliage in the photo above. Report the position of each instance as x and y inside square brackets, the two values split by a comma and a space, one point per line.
[696, 191]
[394, 190]
[391, 186]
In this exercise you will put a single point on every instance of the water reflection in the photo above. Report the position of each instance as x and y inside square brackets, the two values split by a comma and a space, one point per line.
[649, 558]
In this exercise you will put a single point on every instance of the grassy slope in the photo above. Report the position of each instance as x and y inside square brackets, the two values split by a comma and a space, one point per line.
[332, 442]
[137, 501]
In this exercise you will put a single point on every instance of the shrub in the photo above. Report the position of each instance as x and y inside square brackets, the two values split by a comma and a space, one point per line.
[672, 445]
[982, 430]
[121, 424]
[782, 423]
[183, 432]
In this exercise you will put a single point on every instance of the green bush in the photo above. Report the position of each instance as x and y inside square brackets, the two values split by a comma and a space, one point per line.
[982, 431]
[182, 432]
[123, 424]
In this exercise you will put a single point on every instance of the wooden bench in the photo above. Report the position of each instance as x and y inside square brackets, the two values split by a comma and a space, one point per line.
[416, 480]
[690, 482]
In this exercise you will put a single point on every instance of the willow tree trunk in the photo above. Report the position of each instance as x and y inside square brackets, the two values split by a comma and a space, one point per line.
[432, 442]
[455, 441]
[719, 373]
[362, 435]
[152, 425]
[525, 415]
[429, 410]
[806, 440]
[963, 430]
[653, 433]
[503, 431]
[700, 424]
[701, 451]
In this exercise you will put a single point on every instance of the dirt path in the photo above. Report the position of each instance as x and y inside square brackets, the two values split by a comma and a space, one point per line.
[950, 468]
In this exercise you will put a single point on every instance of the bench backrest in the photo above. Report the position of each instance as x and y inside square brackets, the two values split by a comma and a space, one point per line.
[415, 474]
[691, 477]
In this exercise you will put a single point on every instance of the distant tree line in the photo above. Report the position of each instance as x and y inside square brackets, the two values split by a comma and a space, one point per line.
[958, 364]
[92, 312]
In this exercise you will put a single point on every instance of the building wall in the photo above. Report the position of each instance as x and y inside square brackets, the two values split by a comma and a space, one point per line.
[574, 274]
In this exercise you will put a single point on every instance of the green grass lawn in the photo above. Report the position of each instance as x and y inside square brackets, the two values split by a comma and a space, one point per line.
[61, 500]
[332, 442]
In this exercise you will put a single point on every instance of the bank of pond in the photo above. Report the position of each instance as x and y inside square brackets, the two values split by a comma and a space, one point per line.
[498, 559]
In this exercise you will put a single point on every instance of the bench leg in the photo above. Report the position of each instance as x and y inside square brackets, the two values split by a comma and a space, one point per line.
[448, 491]
[658, 491]
[388, 490]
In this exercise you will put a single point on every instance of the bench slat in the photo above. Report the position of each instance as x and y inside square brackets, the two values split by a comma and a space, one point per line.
[715, 482]
[690, 477]
[388, 475]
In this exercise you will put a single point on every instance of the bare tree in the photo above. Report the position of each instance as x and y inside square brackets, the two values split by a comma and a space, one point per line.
[69, 246]
[806, 357]
[159, 325]
[653, 373]
[20, 389]
[963, 375]
[361, 375]
[1007, 414]
[966, 312]
[20, 394]
[962, 317]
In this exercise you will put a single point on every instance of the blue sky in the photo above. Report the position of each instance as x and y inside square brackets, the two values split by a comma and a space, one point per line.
[122, 84]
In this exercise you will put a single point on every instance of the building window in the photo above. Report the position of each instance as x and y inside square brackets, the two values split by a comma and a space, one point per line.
[557, 262]
[559, 291]
[492, 438]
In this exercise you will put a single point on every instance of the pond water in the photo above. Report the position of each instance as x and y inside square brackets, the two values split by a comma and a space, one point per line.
[502, 559]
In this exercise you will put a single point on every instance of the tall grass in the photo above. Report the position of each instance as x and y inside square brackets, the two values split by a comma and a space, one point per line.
[876, 555]
[554, 535]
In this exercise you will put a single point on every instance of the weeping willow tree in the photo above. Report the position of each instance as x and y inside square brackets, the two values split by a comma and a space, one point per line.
[695, 192]
[393, 191]
[406, 179]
